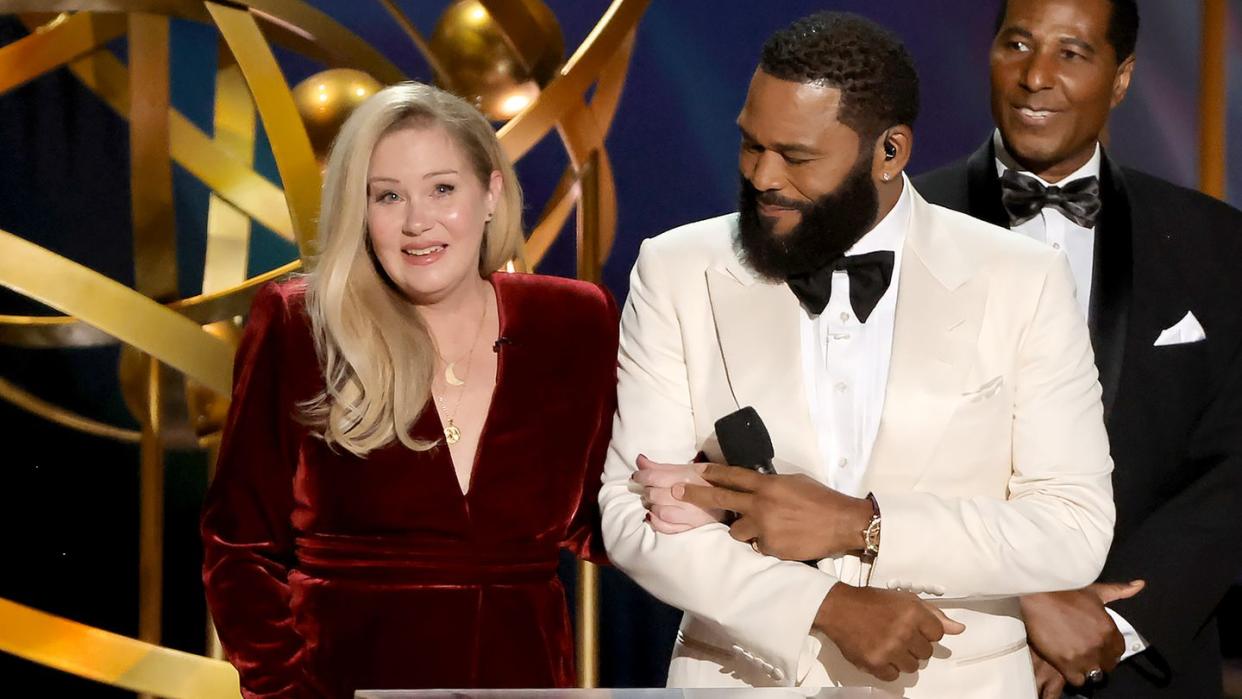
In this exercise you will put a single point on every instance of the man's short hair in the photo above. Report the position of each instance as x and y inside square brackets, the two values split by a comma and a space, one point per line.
[866, 62]
[1123, 26]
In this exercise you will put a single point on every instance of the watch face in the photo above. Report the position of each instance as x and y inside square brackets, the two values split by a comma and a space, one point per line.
[872, 536]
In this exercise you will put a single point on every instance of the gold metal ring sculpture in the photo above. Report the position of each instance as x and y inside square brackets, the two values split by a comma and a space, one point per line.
[177, 352]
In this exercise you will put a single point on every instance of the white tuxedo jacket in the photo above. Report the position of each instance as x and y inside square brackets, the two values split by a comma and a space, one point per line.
[991, 466]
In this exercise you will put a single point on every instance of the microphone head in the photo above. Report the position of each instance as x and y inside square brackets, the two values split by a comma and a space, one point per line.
[744, 439]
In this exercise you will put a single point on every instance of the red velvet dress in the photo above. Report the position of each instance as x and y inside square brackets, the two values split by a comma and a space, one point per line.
[327, 573]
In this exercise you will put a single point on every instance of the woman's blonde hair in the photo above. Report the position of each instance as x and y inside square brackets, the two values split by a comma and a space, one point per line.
[377, 355]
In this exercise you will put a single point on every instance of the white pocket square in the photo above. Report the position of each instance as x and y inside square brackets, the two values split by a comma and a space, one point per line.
[1186, 330]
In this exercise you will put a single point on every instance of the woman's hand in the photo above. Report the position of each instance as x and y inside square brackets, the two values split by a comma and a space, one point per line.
[666, 514]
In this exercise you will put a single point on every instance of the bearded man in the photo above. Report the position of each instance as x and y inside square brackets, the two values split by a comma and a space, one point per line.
[927, 382]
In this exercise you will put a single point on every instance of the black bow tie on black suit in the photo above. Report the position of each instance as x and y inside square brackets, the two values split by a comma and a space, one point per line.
[1024, 197]
[870, 275]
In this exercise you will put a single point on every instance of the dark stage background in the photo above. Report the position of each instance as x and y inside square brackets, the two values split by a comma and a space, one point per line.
[69, 502]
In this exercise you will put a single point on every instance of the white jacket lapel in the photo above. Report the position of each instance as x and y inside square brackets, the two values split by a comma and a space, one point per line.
[757, 327]
[934, 346]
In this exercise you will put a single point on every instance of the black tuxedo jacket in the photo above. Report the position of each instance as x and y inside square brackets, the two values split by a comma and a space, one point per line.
[1174, 413]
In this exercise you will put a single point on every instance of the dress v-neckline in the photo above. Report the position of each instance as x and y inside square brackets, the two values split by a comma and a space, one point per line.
[491, 406]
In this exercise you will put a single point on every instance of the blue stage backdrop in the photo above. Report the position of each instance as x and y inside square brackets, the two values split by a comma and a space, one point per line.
[68, 502]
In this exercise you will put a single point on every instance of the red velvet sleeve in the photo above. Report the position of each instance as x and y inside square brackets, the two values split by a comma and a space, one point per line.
[246, 528]
[584, 537]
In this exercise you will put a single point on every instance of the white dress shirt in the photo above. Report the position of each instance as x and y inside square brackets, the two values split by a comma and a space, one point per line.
[845, 362]
[1078, 243]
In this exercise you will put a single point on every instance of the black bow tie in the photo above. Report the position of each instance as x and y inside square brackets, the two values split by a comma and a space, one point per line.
[870, 275]
[1024, 197]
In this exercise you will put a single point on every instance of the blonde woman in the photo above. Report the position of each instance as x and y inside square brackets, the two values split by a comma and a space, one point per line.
[412, 437]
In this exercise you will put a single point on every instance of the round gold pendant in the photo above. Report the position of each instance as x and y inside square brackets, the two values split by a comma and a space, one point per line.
[452, 434]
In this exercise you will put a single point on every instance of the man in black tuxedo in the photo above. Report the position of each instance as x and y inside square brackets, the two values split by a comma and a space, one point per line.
[1158, 275]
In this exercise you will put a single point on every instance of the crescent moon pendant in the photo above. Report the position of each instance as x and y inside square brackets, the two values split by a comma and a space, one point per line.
[450, 377]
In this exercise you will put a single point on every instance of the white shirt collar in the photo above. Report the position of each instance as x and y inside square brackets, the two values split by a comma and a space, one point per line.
[1005, 161]
[890, 232]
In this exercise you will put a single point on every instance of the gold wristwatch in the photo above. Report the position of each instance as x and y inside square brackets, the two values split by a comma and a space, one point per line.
[871, 534]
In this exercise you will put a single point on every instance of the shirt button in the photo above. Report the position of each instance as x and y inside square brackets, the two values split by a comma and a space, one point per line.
[842, 387]
[1056, 246]
[1136, 647]
[844, 316]
[843, 462]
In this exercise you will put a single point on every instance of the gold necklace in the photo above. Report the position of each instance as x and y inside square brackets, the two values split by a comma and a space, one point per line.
[452, 433]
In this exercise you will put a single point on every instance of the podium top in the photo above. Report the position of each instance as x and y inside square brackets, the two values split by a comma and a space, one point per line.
[712, 693]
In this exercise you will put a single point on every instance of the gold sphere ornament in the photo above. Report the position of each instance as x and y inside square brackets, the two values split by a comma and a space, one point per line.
[498, 63]
[325, 100]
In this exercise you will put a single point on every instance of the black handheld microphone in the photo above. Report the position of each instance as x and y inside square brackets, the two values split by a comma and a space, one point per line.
[744, 440]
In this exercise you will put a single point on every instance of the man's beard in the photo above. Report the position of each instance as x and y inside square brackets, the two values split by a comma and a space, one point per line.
[830, 225]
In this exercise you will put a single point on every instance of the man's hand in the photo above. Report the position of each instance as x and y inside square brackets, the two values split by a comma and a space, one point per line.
[882, 632]
[793, 517]
[1072, 631]
[1049, 683]
[666, 514]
